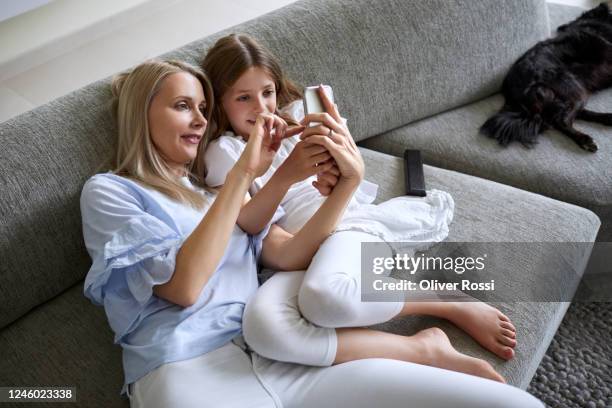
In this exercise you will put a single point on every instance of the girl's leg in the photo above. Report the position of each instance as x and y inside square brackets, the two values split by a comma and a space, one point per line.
[331, 297]
[331, 293]
[385, 383]
[274, 328]
[487, 325]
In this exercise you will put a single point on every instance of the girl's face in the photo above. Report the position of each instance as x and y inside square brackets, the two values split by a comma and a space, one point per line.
[253, 93]
[176, 119]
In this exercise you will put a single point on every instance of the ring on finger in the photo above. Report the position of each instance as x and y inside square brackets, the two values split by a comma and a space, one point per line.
[330, 132]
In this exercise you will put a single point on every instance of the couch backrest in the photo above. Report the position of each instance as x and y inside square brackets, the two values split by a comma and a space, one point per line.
[390, 62]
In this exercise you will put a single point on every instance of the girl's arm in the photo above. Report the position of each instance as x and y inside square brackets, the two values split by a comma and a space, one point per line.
[201, 252]
[284, 251]
[301, 164]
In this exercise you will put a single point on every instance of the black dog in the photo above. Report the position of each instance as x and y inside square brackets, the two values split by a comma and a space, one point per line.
[549, 85]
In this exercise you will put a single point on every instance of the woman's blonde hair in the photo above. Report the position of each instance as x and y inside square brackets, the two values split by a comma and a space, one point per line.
[228, 59]
[136, 156]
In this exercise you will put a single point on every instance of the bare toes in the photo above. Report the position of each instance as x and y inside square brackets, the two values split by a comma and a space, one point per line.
[508, 325]
[507, 341]
[507, 353]
[508, 333]
[503, 317]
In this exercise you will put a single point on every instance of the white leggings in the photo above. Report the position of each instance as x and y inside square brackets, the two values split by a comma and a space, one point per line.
[233, 376]
[330, 295]
[278, 320]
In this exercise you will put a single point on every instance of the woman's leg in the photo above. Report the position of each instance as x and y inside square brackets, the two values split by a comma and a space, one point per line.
[385, 383]
[275, 329]
[221, 378]
[331, 297]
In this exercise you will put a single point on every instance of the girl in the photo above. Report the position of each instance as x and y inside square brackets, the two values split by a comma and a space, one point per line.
[247, 80]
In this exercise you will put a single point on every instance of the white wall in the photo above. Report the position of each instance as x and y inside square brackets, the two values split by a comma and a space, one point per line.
[10, 9]
[579, 3]
[41, 34]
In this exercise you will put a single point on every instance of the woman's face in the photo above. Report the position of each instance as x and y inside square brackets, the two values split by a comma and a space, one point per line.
[253, 93]
[176, 119]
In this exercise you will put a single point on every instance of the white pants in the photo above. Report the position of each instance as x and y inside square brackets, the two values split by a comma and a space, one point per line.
[231, 376]
[270, 376]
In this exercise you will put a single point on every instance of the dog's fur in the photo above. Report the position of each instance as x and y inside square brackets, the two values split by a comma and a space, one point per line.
[549, 85]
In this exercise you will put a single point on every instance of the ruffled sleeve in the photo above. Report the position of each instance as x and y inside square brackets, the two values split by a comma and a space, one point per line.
[131, 249]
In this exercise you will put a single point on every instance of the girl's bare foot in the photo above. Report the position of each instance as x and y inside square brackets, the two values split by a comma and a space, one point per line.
[487, 325]
[437, 351]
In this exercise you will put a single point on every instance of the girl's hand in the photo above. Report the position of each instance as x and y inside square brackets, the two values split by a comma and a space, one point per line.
[332, 134]
[265, 139]
[305, 160]
[327, 180]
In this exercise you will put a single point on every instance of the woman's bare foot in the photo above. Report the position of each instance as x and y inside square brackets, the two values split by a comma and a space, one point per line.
[437, 351]
[487, 325]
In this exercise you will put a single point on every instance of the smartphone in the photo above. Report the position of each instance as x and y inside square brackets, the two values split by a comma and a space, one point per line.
[312, 102]
[413, 171]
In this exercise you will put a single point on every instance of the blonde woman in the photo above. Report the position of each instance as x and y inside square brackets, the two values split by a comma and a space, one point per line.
[174, 272]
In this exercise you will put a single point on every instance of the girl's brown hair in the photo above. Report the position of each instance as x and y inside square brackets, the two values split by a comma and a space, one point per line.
[228, 59]
[136, 156]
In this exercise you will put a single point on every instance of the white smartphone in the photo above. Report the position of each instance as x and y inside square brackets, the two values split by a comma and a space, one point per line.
[312, 102]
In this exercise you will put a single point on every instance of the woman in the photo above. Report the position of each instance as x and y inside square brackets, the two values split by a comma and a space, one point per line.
[173, 271]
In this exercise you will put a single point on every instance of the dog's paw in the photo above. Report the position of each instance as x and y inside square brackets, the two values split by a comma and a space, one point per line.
[589, 146]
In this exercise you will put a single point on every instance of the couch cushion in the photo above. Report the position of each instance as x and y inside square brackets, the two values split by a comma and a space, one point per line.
[390, 61]
[556, 167]
[64, 342]
[486, 211]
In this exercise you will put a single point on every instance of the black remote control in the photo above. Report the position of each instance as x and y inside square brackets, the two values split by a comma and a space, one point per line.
[413, 171]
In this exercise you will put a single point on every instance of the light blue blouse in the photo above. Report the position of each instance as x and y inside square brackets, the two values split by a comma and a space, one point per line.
[133, 234]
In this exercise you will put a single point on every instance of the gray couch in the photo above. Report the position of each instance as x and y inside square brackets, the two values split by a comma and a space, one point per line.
[406, 74]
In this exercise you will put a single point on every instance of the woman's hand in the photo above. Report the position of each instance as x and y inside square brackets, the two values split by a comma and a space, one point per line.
[265, 139]
[332, 134]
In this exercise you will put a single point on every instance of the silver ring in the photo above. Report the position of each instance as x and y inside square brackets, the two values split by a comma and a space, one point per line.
[330, 132]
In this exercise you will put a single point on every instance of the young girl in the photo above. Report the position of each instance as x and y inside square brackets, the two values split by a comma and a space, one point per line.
[247, 81]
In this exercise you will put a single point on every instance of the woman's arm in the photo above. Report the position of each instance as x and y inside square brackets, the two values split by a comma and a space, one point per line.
[259, 209]
[201, 252]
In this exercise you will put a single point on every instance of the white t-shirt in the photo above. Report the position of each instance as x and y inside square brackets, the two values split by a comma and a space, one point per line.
[302, 200]
[401, 219]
